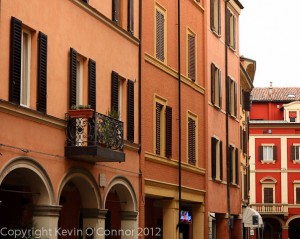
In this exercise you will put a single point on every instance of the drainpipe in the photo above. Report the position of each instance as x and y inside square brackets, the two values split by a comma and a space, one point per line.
[179, 117]
[227, 124]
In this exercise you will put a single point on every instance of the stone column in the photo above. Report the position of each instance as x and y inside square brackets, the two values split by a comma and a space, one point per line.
[93, 223]
[129, 225]
[198, 221]
[45, 221]
[285, 232]
[170, 219]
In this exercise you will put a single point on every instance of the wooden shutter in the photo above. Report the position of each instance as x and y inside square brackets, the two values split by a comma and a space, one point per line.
[73, 76]
[130, 16]
[42, 72]
[245, 141]
[92, 84]
[116, 11]
[227, 27]
[261, 152]
[293, 155]
[297, 195]
[237, 168]
[213, 82]
[213, 158]
[230, 164]
[234, 32]
[235, 98]
[191, 141]
[168, 131]
[15, 60]
[268, 195]
[114, 91]
[219, 17]
[160, 38]
[158, 117]
[221, 160]
[246, 103]
[212, 17]
[229, 95]
[130, 110]
[191, 57]
[297, 153]
[220, 87]
[275, 153]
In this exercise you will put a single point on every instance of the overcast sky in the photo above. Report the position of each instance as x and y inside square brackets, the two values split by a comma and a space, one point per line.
[270, 34]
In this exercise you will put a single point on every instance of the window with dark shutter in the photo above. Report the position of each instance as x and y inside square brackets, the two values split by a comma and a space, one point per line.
[191, 141]
[245, 191]
[227, 27]
[246, 102]
[213, 158]
[42, 73]
[116, 11]
[261, 153]
[215, 20]
[160, 35]
[212, 72]
[92, 84]
[73, 76]
[221, 160]
[292, 152]
[191, 57]
[229, 95]
[130, 110]
[114, 91]
[220, 88]
[268, 195]
[297, 195]
[235, 98]
[275, 153]
[231, 164]
[245, 141]
[237, 171]
[130, 20]
[212, 15]
[158, 127]
[233, 44]
[15, 60]
[168, 132]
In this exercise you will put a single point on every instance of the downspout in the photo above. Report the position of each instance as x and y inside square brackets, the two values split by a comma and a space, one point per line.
[227, 124]
[179, 117]
[141, 179]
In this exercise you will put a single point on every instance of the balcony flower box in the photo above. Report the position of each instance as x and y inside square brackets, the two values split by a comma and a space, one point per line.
[81, 111]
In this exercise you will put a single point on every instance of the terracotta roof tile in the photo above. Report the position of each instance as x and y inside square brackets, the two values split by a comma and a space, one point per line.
[286, 94]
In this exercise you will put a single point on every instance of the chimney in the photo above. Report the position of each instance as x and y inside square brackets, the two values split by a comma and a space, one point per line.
[270, 90]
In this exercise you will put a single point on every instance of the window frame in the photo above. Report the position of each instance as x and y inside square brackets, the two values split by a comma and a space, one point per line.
[194, 117]
[215, 18]
[25, 76]
[231, 25]
[162, 101]
[296, 186]
[262, 153]
[216, 86]
[163, 11]
[219, 158]
[188, 59]
[269, 186]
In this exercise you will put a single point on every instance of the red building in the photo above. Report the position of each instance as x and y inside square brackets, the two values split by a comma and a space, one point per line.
[274, 164]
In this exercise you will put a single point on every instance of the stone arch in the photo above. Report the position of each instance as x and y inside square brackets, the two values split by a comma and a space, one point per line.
[276, 218]
[268, 180]
[291, 219]
[87, 186]
[33, 172]
[125, 192]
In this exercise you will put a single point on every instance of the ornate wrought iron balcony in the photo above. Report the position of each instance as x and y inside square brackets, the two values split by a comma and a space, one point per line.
[94, 138]
[271, 208]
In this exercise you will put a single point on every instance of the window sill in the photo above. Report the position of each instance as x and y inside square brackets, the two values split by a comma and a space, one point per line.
[218, 35]
[232, 49]
[296, 161]
[267, 161]
[217, 180]
[217, 107]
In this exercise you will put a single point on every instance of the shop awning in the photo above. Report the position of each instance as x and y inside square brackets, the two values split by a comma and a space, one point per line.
[252, 218]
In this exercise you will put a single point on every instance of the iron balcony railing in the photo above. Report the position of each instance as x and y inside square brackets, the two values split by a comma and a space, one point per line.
[271, 208]
[99, 129]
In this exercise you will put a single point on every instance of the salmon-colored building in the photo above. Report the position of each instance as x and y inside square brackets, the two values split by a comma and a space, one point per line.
[274, 163]
[173, 118]
[63, 171]
[223, 119]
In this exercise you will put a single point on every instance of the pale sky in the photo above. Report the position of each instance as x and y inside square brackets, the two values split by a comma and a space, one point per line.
[270, 34]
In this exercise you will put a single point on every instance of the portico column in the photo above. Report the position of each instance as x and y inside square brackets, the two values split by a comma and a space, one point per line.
[198, 221]
[45, 220]
[170, 219]
[93, 223]
[129, 225]
[285, 232]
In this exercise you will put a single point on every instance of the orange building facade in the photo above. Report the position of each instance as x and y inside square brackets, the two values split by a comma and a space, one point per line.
[60, 173]
[223, 117]
[173, 119]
